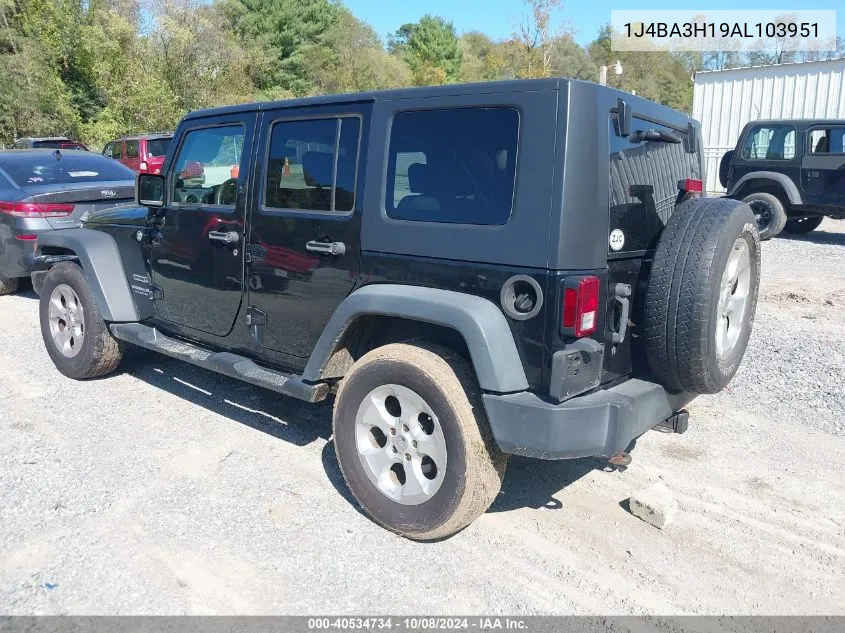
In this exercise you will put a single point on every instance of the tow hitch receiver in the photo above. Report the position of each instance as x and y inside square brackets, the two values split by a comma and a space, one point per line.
[678, 422]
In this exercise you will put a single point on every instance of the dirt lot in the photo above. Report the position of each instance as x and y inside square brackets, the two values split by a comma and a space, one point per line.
[167, 489]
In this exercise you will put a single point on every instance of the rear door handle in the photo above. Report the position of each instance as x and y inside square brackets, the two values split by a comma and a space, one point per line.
[326, 248]
[227, 237]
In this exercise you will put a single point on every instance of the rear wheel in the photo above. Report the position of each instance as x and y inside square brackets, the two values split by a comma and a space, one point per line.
[76, 337]
[702, 295]
[413, 443]
[8, 286]
[769, 212]
[802, 226]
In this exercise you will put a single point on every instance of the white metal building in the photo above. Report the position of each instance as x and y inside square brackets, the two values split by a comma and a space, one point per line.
[725, 100]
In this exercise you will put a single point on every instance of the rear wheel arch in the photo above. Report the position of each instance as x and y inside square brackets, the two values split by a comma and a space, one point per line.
[385, 313]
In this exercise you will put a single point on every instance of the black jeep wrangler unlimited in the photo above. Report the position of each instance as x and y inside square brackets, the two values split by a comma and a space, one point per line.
[473, 271]
[791, 172]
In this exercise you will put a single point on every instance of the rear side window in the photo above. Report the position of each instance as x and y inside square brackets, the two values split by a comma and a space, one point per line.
[770, 142]
[117, 150]
[829, 140]
[132, 150]
[157, 146]
[454, 166]
[312, 164]
[44, 169]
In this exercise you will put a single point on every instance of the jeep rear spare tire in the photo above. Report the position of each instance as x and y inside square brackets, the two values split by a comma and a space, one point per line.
[413, 442]
[702, 294]
[769, 212]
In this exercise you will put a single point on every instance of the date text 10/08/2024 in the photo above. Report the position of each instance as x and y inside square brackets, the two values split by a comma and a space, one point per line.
[722, 29]
[418, 623]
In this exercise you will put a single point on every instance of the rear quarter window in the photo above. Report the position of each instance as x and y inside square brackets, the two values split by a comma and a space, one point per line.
[453, 165]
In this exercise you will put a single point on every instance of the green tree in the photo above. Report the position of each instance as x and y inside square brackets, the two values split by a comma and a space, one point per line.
[350, 58]
[430, 48]
[280, 32]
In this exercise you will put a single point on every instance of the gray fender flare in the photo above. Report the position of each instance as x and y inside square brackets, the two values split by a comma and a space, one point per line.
[103, 269]
[788, 185]
[481, 323]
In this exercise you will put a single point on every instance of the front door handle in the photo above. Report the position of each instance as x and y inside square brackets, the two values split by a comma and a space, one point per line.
[326, 248]
[227, 237]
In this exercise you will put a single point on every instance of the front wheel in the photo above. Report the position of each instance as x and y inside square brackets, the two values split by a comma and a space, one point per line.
[75, 335]
[413, 442]
[802, 226]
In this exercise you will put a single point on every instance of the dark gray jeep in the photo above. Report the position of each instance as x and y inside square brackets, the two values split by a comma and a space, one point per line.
[791, 172]
[473, 271]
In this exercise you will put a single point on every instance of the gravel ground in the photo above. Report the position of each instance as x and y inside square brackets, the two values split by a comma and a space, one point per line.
[168, 489]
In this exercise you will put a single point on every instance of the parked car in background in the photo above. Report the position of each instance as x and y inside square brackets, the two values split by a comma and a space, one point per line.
[791, 172]
[52, 142]
[44, 190]
[143, 154]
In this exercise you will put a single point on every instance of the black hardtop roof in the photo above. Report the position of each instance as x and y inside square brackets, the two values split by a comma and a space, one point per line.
[516, 85]
[578, 87]
[797, 122]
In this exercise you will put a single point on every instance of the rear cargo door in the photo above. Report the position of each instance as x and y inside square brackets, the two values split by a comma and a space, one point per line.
[647, 180]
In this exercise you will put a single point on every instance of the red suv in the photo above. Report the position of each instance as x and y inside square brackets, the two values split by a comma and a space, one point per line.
[141, 153]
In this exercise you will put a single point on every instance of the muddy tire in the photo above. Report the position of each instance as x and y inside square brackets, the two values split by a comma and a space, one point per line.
[702, 294]
[413, 442]
[75, 335]
[8, 286]
[769, 211]
[802, 226]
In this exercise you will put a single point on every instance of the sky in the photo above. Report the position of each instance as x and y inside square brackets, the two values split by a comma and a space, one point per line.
[500, 18]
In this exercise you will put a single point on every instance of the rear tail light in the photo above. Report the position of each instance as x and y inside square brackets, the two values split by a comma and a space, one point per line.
[144, 167]
[580, 306]
[691, 185]
[36, 209]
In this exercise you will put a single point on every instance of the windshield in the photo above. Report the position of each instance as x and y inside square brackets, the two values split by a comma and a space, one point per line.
[157, 146]
[44, 169]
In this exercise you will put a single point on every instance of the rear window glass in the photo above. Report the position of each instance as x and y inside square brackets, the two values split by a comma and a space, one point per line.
[43, 169]
[453, 166]
[157, 146]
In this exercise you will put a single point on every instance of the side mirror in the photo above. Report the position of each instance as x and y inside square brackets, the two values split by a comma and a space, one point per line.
[149, 190]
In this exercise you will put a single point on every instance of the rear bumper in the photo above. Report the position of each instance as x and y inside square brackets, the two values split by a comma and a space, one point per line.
[598, 424]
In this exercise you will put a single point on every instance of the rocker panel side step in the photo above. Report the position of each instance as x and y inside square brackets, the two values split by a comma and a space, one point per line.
[224, 363]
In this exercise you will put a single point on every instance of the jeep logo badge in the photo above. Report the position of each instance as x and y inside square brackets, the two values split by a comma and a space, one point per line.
[108, 193]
